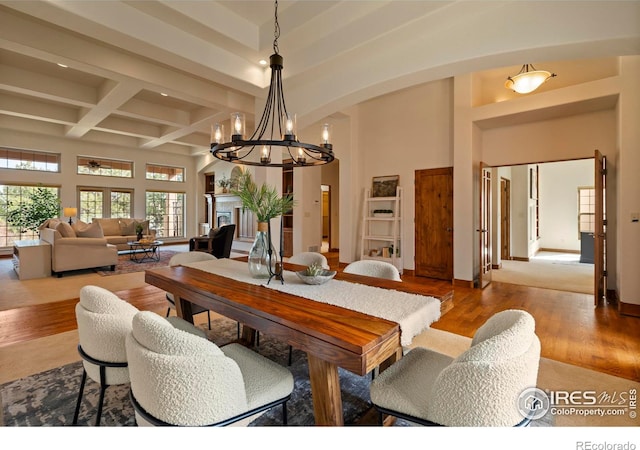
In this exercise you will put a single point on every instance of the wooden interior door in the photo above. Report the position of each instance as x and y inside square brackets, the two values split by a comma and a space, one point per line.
[434, 223]
[484, 277]
[505, 219]
[599, 243]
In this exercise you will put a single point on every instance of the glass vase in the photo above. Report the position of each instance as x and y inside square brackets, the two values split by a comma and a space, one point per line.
[259, 258]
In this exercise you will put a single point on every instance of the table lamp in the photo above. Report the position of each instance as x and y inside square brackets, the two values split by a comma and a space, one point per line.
[69, 212]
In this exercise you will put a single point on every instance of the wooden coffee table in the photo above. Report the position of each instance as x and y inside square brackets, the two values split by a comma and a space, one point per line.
[143, 251]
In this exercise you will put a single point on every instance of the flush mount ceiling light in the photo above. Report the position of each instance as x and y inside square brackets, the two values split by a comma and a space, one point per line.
[276, 130]
[527, 80]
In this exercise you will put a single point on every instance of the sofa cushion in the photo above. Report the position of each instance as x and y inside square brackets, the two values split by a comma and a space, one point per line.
[92, 230]
[110, 227]
[65, 230]
[127, 227]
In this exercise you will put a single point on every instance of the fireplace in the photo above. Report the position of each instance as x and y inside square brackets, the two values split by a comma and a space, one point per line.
[223, 218]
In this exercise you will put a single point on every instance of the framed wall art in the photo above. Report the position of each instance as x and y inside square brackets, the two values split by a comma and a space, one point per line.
[385, 186]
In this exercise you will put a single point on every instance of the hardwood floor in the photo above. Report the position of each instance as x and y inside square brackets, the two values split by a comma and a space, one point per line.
[570, 329]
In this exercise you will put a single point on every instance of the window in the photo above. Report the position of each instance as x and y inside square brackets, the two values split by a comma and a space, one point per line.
[104, 202]
[104, 167]
[12, 197]
[11, 158]
[164, 173]
[586, 210]
[166, 211]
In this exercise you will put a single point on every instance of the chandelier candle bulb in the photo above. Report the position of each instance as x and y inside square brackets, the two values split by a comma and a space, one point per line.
[326, 134]
[301, 158]
[290, 127]
[217, 133]
[237, 119]
[265, 155]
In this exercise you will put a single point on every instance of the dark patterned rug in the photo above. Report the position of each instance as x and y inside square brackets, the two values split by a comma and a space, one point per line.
[49, 398]
[128, 265]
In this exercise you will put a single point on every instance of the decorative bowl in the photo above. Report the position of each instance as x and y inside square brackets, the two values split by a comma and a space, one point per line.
[322, 278]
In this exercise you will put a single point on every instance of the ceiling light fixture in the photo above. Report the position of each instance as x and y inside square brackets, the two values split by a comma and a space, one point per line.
[527, 80]
[275, 120]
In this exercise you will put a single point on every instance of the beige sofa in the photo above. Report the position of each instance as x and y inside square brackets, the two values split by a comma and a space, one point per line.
[74, 248]
[120, 231]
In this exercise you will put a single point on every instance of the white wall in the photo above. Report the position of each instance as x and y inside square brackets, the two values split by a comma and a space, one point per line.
[398, 134]
[558, 184]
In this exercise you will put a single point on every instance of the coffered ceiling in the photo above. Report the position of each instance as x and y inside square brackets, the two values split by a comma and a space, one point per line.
[156, 74]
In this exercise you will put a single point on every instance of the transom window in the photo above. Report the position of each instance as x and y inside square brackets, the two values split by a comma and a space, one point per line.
[164, 173]
[104, 167]
[166, 213]
[12, 158]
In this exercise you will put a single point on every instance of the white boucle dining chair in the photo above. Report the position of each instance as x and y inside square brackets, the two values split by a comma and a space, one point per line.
[103, 320]
[181, 379]
[183, 258]
[373, 268]
[481, 387]
[309, 258]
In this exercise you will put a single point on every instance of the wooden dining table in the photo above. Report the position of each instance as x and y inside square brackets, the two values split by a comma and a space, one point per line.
[331, 336]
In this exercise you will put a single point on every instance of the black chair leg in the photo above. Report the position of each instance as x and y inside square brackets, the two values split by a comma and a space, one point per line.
[238, 323]
[103, 388]
[209, 319]
[77, 412]
[168, 311]
[284, 413]
[290, 354]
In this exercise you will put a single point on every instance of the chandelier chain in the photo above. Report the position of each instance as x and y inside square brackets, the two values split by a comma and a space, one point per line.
[276, 31]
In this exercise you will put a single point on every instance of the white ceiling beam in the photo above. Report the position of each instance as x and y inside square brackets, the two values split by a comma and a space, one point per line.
[113, 95]
[34, 109]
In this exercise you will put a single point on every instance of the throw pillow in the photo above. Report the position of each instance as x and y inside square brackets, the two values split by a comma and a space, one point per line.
[127, 227]
[90, 230]
[65, 230]
[213, 232]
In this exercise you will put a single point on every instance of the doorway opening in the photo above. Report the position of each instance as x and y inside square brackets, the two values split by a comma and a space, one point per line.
[540, 239]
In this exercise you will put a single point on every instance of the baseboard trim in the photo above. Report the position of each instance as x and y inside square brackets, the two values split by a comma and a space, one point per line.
[463, 283]
[629, 309]
[518, 258]
[558, 250]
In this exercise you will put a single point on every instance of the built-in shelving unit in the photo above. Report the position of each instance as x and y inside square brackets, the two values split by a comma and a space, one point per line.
[382, 228]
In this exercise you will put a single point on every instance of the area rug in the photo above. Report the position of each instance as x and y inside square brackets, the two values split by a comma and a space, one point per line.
[48, 398]
[127, 265]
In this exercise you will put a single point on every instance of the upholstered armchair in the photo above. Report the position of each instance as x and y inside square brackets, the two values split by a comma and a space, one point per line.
[373, 268]
[481, 387]
[181, 379]
[218, 242]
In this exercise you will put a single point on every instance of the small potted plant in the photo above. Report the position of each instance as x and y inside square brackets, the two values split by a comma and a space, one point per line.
[224, 183]
[139, 230]
[266, 203]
